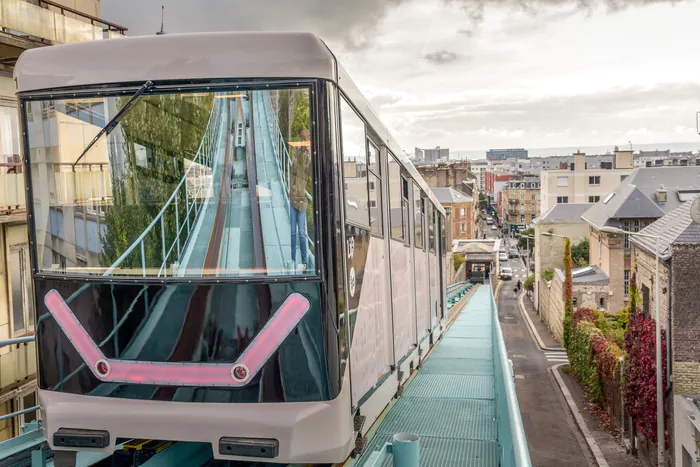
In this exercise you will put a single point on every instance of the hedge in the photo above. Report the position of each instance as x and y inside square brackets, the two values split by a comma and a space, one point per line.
[583, 361]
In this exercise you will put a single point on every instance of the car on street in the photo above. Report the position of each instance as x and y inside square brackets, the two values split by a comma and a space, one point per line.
[502, 256]
[506, 274]
[493, 227]
[489, 221]
[513, 253]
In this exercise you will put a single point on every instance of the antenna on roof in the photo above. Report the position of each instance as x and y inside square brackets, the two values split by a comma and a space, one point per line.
[162, 15]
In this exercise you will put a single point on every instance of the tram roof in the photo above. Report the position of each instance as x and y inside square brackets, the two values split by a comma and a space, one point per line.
[195, 56]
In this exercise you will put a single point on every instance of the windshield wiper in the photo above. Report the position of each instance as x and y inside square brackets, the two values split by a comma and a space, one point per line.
[116, 119]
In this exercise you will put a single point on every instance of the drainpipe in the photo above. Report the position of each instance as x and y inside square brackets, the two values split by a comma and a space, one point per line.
[668, 327]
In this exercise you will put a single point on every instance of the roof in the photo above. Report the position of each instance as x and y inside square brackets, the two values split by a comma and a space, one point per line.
[585, 275]
[675, 227]
[199, 56]
[451, 196]
[635, 196]
[176, 56]
[564, 213]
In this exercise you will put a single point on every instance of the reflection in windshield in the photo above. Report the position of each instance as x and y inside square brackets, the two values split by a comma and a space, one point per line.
[187, 184]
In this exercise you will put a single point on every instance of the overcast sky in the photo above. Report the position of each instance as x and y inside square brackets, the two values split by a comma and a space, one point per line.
[473, 74]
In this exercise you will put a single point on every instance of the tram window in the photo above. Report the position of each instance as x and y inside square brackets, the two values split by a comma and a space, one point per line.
[152, 197]
[418, 218]
[395, 199]
[405, 210]
[431, 228]
[375, 190]
[354, 165]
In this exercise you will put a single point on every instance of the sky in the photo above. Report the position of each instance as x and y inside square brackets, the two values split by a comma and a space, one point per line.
[477, 74]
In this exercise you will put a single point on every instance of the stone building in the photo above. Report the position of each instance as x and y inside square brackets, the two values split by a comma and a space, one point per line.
[519, 202]
[645, 196]
[679, 286]
[443, 175]
[548, 254]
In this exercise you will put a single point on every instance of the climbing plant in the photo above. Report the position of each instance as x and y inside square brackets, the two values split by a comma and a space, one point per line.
[568, 293]
[582, 360]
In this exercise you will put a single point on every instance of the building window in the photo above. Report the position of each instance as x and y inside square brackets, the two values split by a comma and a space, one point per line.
[21, 290]
[522, 219]
[645, 299]
[562, 181]
[593, 199]
[636, 226]
[594, 180]
[575, 302]
[562, 199]
[463, 227]
[627, 282]
[601, 304]
[626, 226]
[522, 196]
[462, 212]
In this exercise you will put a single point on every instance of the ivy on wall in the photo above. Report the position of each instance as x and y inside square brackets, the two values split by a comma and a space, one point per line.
[583, 361]
[568, 293]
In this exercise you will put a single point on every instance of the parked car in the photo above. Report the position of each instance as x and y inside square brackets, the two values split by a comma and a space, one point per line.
[502, 256]
[506, 274]
[493, 227]
[513, 253]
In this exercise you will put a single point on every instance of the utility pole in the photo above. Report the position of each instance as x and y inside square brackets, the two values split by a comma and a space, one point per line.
[162, 17]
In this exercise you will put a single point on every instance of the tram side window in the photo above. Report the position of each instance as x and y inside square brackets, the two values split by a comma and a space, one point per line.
[375, 189]
[354, 166]
[404, 210]
[418, 218]
[396, 199]
[431, 228]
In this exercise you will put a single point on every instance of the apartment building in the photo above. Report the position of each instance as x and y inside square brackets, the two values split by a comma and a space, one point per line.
[461, 207]
[502, 154]
[27, 25]
[519, 202]
[645, 196]
[579, 184]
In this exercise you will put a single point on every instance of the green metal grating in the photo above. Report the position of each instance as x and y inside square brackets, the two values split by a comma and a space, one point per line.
[451, 402]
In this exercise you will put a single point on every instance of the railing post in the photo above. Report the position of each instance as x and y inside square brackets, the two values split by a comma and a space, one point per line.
[143, 259]
[162, 242]
[177, 223]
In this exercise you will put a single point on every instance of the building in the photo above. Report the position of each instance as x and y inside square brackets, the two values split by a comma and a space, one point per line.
[502, 154]
[436, 154]
[593, 161]
[494, 183]
[519, 202]
[564, 220]
[579, 184]
[62, 21]
[639, 200]
[589, 290]
[443, 175]
[478, 168]
[461, 208]
[679, 285]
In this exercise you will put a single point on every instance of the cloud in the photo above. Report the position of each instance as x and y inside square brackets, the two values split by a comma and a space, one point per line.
[441, 57]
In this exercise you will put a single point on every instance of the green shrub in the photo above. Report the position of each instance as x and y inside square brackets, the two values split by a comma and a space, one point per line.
[583, 361]
[548, 275]
[458, 260]
[530, 283]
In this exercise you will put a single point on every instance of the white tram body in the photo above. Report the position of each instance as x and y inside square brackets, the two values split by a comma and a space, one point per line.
[182, 310]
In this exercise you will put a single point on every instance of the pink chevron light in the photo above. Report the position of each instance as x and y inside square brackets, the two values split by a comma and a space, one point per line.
[248, 364]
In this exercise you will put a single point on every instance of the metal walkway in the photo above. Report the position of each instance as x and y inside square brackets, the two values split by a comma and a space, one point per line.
[462, 402]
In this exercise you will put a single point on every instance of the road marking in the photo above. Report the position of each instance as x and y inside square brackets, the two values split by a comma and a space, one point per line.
[519, 376]
[515, 355]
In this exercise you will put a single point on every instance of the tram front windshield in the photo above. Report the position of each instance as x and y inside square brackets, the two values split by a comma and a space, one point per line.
[187, 184]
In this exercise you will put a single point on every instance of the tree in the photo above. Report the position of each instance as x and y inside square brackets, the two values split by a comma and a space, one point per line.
[458, 260]
[530, 283]
[579, 253]
[523, 242]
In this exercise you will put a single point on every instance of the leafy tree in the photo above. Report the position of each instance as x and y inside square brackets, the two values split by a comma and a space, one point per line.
[579, 253]
[530, 283]
[458, 260]
[524, 242]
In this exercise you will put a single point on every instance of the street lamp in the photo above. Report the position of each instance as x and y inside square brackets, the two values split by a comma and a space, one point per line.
[661, 439]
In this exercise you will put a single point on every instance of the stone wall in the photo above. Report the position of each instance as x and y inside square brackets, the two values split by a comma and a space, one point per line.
[685, 325]
[445, 175]
[645, 267]
[555, 320]
[590, 296]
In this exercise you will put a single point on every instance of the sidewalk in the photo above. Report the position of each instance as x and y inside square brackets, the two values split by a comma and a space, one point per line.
[598, 434]
[546, 337]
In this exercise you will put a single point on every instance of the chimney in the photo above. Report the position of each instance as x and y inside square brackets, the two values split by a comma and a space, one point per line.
[623, 159]
[579, 161]
[661, 194]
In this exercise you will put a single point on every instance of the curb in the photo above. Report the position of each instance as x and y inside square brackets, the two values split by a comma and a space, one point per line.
[588, 436]
[533, 330]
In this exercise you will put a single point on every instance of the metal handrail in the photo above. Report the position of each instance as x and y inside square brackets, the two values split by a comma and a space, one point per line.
[204, 145]
[284, 160]
[18, 413]
[17, 340]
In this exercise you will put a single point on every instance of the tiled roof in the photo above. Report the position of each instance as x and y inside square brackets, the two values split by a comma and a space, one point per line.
[564, 213]
[674, 227]
[635, 196]
[451, 196]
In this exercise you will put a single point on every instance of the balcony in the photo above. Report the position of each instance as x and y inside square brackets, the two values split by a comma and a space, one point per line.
[29, 25]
